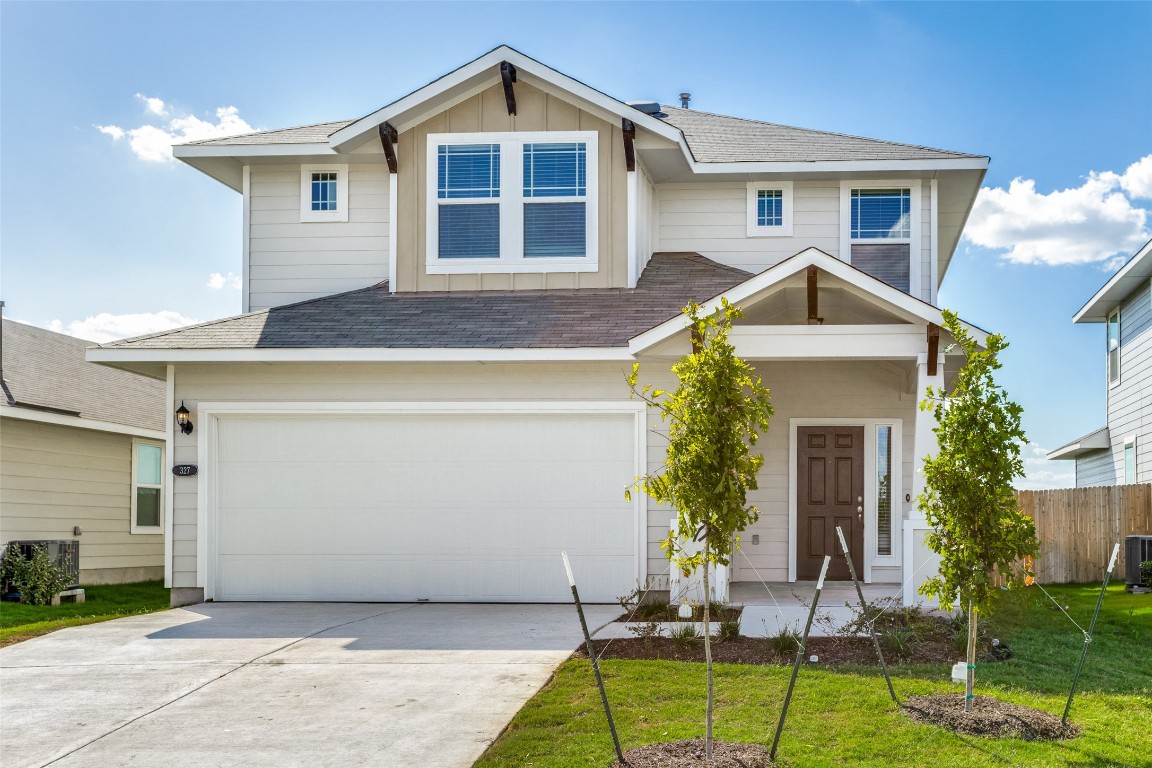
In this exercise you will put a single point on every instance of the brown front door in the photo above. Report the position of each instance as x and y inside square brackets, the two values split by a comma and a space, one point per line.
[829, 493]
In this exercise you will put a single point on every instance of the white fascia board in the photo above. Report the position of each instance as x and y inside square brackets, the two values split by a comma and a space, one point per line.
[63, 420]
[1126, 280]
[487, 63]
[844, 166]
[251, 150]
[866, 286]
[1100, 440]
[358, 355]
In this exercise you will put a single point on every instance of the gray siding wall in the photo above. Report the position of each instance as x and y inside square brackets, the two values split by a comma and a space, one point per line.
[1130, 401]
[290, 260]
[1095, 469]
[54, 477]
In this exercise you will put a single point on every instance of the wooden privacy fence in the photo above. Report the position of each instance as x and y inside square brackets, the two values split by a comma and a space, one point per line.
[1077, 528]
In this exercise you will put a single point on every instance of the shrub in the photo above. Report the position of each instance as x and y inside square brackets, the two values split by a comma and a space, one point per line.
[38, 578]
[1146, 572]
[785, 641]
[685, 634]
[729, 630]
[900, 642]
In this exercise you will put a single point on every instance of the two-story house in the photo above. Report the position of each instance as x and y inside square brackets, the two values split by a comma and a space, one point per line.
[426, 396]
[1121, 451]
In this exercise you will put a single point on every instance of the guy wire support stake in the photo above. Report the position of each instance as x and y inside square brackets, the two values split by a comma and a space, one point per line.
[799, 656]
[592, 658]
[864, 612]
[1088, 634]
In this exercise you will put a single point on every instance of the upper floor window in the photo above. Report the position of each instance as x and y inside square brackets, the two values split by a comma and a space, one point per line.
[324, 193]
[1114, 347]
[1130, 460]
[512, 202]
[769, 209]
[147, 486]
[881, 229]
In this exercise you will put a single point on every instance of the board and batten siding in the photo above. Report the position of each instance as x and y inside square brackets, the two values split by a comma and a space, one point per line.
[487, 111]
[1095, 469]
[290, 260]
[1130, 401]
[54, 477]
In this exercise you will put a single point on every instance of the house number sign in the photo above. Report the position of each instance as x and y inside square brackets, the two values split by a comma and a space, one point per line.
[184, 470]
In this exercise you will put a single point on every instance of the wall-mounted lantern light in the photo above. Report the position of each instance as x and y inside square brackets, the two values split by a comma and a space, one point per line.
[182, 419]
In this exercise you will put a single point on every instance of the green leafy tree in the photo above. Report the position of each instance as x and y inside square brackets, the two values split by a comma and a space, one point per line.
[968, 498]
[714, 418]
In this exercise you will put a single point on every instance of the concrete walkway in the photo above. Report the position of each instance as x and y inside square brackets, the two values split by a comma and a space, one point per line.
[281, 684]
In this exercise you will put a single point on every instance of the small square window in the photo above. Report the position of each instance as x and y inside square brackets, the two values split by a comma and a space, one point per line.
[770, 209]
[324, 193]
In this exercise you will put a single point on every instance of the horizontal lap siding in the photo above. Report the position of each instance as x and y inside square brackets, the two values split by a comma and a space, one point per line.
[54, 477]
[1130, 402]
[366, 383]
[711, 219]
[851, 390]
[290, 260]
[1095, 469]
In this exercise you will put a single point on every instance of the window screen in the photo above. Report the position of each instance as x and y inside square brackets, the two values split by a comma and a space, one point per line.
[147, 482]
[556, 228]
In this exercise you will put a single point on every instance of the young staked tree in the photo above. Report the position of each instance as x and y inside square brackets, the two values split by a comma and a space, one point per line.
[714, 418]
[968, 497]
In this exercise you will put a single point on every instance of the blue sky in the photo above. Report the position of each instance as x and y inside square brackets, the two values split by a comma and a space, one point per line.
[99, 237]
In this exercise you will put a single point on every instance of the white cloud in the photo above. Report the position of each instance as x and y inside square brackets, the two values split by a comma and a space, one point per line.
[1081, 225]
[115, 131]
[106, 327]
[1137, 180]
[1041, 474]
[153, 143]
[154, 105]
[216, 281]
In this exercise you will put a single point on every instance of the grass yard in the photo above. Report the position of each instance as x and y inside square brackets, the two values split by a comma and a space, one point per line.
[103, 602]
[843, 716]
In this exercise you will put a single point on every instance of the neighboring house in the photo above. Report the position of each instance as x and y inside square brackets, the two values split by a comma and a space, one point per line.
[426, 397]
[81, 455]
[1121, 452]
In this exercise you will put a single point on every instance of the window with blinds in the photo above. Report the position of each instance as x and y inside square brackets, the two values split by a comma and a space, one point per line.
[512, 202]
[880, 222]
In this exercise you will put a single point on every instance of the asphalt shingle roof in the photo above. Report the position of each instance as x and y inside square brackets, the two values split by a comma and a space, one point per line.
[47, 370]
[722, 139]
[373, 317]
[711, 138]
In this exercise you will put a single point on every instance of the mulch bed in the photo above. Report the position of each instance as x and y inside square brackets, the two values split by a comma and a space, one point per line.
[752, 650]
[689, 754]
[989, 717]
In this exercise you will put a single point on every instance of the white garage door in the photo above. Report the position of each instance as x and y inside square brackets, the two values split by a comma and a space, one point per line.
[453, 506]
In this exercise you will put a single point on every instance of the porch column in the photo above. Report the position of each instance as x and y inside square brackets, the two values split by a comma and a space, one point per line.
[919, 562]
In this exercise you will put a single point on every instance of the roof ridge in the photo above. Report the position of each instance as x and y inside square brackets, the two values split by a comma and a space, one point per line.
[889, 142]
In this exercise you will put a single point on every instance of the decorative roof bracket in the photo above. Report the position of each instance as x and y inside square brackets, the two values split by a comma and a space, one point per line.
[508, 76]
[629, 129]
[388, 138]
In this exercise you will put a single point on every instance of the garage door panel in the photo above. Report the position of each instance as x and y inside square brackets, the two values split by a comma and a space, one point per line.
[421, 506]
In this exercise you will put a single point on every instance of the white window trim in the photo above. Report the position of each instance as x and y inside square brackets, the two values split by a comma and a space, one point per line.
[915, 244]
[511, 203]
[785, 228]
[1128, 441]
[159, 527]
[1108, 352]
[306, 212]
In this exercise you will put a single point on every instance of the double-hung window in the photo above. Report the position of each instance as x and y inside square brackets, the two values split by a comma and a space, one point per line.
[769, 209]
[512, 202]
[881, 230]
[147, 486]
[1114, 347]
[324, 193]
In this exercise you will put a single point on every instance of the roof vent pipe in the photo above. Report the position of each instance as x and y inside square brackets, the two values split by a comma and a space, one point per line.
[684, 99]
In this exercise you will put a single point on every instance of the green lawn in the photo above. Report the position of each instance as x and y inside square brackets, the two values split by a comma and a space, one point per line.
[110, 601]
[844, 717]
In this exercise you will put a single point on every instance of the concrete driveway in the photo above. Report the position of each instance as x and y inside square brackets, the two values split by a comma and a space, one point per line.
[281, 684]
